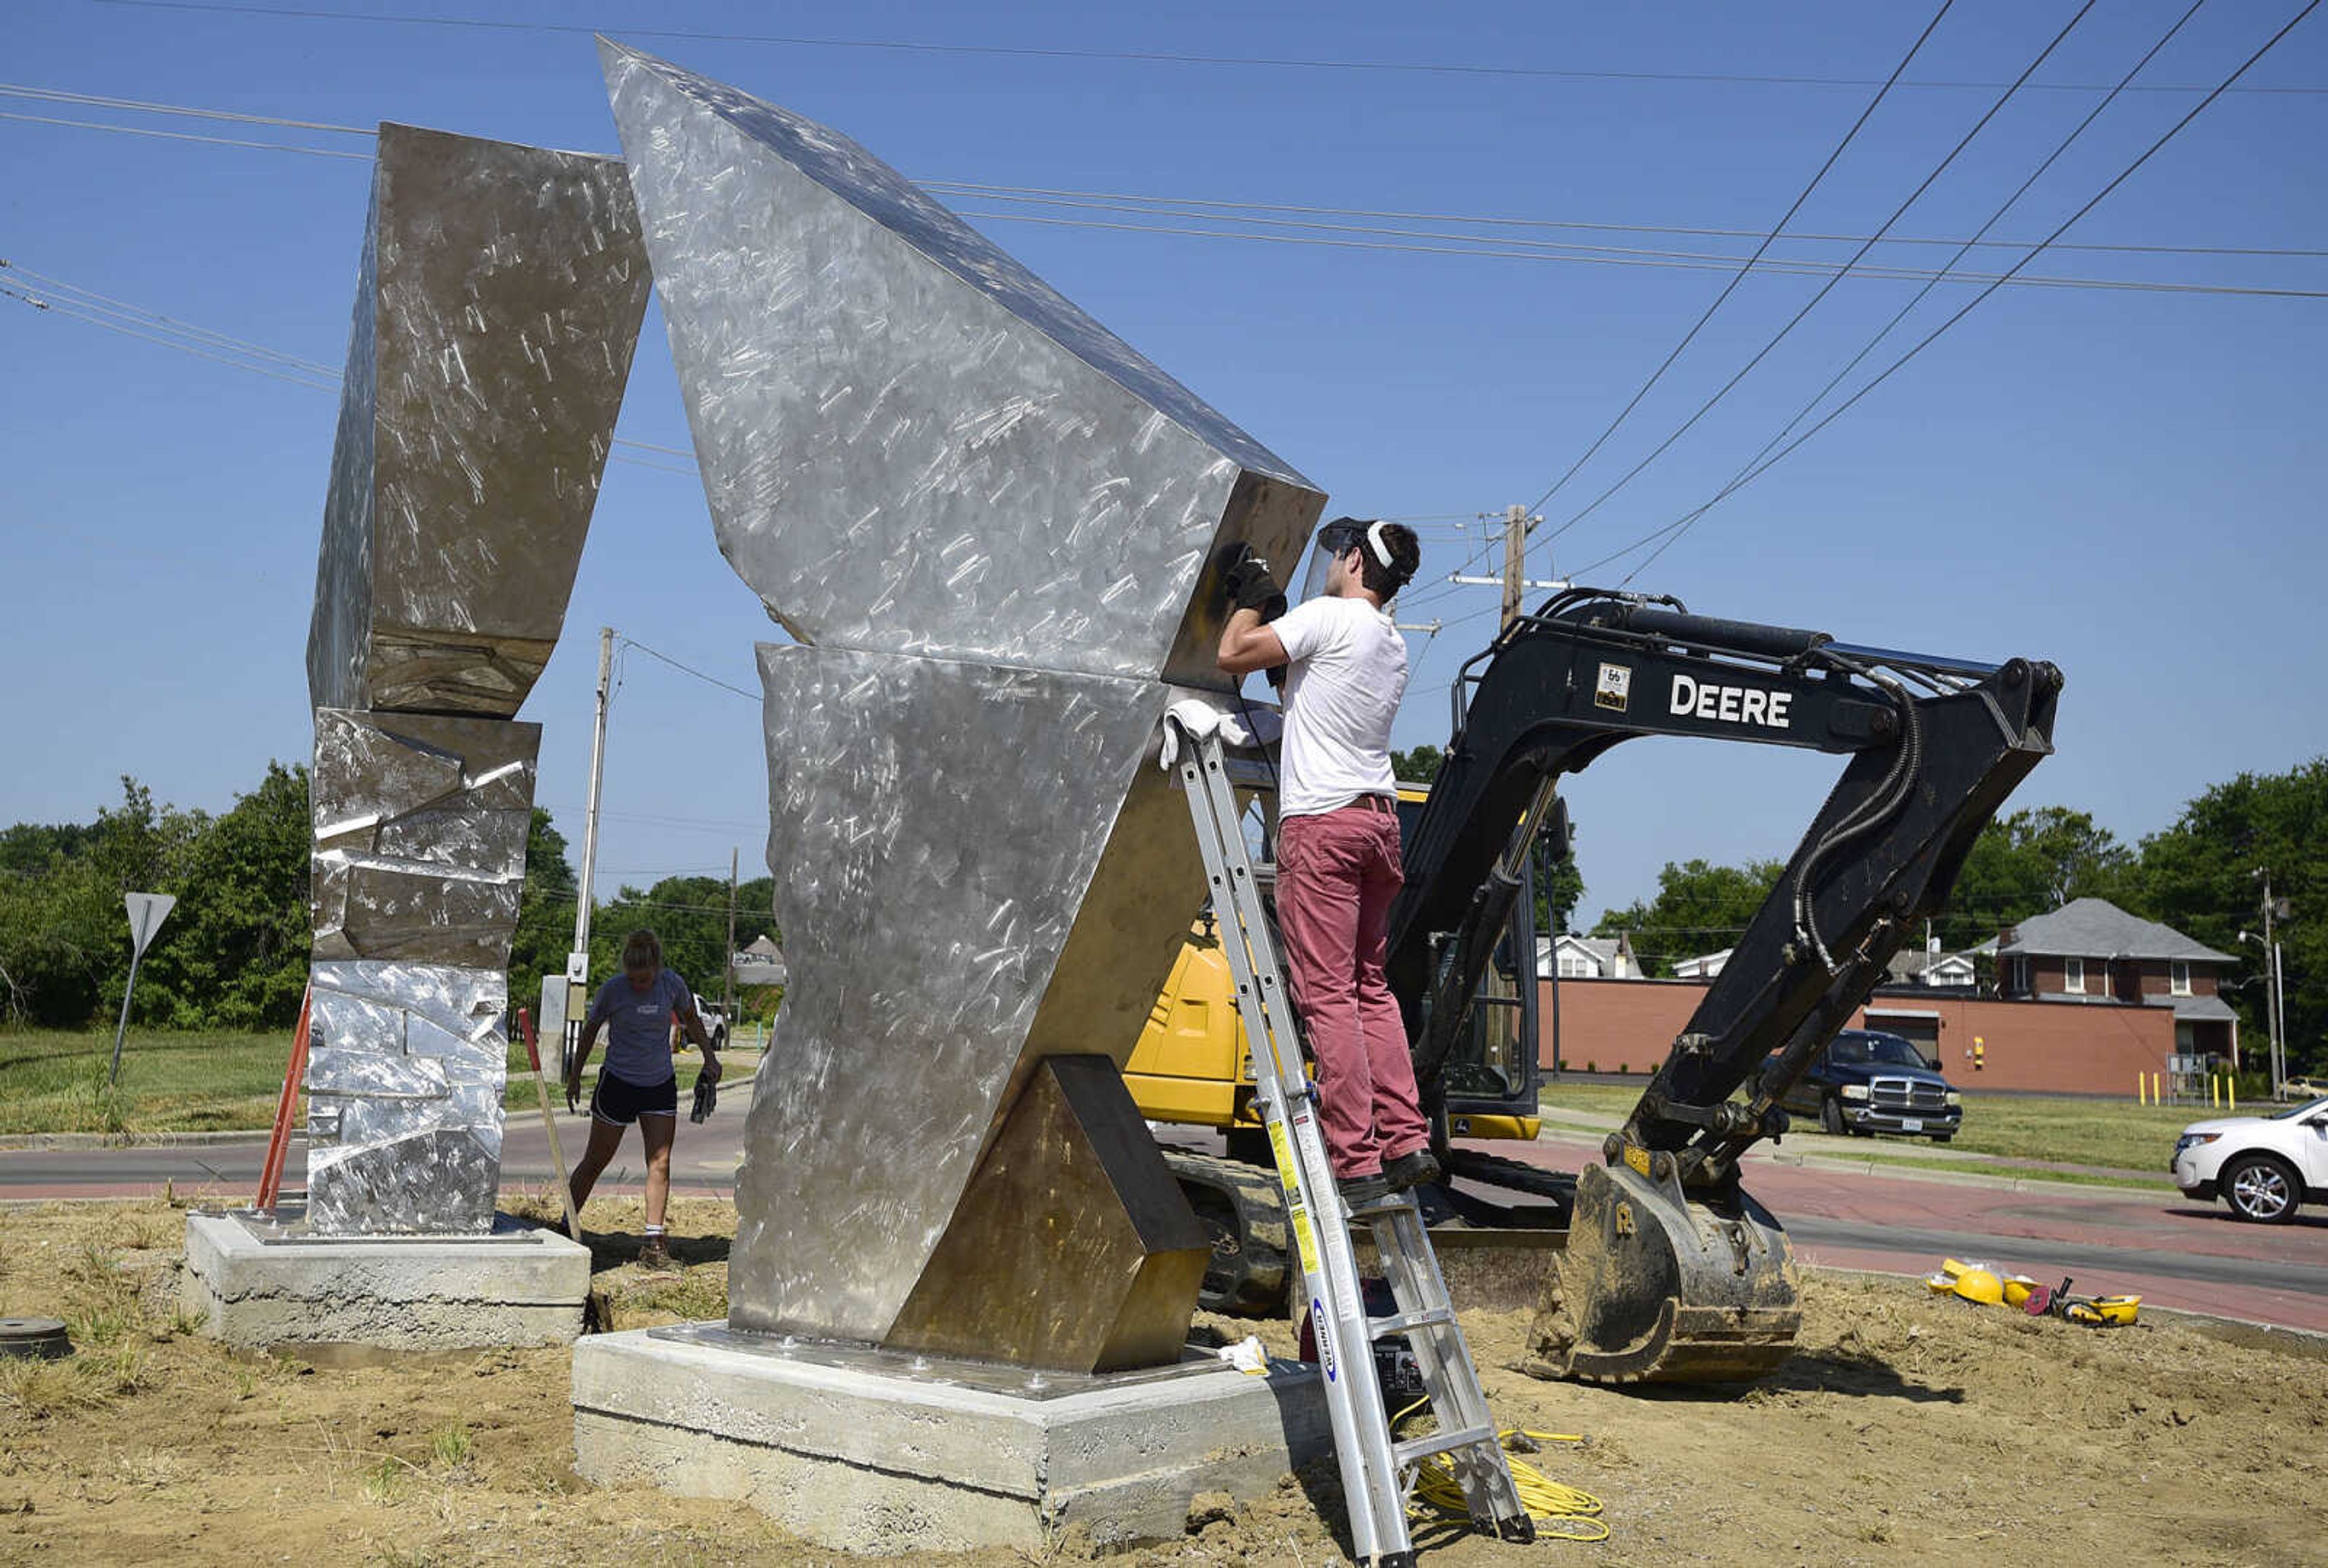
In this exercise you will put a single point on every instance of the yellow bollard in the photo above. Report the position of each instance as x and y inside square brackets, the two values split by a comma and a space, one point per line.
[2141, 1089]
[2214, 1092]
[2231, 1092]
[2156, 1096]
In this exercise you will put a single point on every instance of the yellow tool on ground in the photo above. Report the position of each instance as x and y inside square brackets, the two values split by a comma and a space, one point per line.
[1987, 1285]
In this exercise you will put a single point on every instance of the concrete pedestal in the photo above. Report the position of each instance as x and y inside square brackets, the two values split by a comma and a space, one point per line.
[258, 1280]
[864, 1450]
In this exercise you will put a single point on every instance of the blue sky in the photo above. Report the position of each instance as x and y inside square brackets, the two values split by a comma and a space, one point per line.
[2124, 480]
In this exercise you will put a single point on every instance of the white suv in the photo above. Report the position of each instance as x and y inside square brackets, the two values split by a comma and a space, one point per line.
[2262, 1166]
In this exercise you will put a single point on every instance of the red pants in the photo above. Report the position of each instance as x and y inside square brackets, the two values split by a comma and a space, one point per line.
[1335, 876]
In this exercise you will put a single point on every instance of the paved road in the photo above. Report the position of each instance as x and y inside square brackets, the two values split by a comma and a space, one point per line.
[2171, 1251]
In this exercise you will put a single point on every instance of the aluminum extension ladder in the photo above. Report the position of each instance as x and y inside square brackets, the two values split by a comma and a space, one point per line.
[1377, 1472]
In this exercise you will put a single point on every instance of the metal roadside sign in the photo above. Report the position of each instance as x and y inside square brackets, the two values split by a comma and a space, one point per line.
[146, 913]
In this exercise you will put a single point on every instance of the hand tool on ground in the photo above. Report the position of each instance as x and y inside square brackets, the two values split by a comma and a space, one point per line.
[549, 1124]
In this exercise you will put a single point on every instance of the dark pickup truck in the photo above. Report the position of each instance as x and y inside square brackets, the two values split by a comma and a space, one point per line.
[1869, 1082]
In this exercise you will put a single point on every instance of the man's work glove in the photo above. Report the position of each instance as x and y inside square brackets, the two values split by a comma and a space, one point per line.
[1251, 587]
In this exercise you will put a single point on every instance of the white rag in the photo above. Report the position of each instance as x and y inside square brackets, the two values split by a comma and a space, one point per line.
[1198, 717]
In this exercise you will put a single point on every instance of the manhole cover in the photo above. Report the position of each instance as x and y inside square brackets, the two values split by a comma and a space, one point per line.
[33, 1337]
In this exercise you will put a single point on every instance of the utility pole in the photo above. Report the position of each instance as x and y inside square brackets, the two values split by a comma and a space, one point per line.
[577, 962]
[727, 961]
[1514, 581]
[2275, 998]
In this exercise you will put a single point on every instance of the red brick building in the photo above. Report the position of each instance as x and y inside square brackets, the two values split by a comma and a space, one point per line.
[2090, 952]
[1610, 1025]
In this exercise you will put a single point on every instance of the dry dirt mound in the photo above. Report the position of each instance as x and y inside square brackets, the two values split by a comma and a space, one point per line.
[1908, 1430]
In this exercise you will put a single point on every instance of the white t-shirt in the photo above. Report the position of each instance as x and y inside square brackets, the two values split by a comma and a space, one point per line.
[1349, 672]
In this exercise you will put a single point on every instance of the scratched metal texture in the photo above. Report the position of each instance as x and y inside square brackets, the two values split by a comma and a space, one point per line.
[937, 827]
[911, 443]
[498, 303]
[420, 828]
[404, 1076]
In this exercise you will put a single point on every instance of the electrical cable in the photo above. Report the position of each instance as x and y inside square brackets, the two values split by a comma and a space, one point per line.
[1476, 245]
[1561, 1512]
[691, 670]
[1728, 289]
[1255, 211]
[1828, 286]
[1994, 219]
[1146, 57]
[1674, 531]
[75, 302]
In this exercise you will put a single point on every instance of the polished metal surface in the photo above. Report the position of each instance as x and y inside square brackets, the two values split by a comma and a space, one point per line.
[937, 826]
[1000, 528]
[1073, 1188]
[911, 443]
[497, 306]
[420, 829]
[405, 1072]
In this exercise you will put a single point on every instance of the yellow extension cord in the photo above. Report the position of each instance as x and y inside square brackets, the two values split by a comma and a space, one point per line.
[1561, 1512]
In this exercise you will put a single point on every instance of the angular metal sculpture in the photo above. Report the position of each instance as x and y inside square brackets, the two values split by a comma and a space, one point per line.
[992, 525]
[496, 311]
[1073, 1184]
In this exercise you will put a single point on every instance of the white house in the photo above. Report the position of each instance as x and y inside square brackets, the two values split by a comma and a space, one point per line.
[1574, 957]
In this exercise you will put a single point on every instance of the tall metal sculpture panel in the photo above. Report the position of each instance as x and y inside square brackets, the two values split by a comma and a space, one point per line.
[990, 525]
[497, 307]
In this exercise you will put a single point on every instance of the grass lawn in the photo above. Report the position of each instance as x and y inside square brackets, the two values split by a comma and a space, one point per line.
[2113, 1134]
[53, 1081]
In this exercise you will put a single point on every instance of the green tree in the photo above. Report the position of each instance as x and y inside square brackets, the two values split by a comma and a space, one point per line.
[545, 912]
[689, 916]
[1700, 908]
[238, 956]
[2199, 877]
[1419, 766]
[2036, 859]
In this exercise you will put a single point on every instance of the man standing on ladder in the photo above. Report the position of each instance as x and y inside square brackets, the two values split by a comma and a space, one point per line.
[1338, 845]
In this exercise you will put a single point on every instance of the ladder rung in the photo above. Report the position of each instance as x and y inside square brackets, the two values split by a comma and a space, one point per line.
[1439, 1442]
[1264, 873]
[1400, 1322]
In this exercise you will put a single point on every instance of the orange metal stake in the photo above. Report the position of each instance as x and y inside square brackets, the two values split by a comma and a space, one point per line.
[270, 1175]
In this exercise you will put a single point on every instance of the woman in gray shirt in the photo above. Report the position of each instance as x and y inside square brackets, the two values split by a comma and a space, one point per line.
[637, 1084]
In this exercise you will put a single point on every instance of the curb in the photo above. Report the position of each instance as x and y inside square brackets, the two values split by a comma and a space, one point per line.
[36, 1143]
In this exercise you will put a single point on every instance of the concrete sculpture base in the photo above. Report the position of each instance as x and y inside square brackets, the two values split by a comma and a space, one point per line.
[863, 1449]
[258, 1282]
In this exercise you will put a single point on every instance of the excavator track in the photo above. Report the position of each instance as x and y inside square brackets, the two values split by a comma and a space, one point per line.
[1243, 1213]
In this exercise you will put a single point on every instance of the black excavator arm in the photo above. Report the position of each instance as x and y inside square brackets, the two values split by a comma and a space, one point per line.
[1934, 745]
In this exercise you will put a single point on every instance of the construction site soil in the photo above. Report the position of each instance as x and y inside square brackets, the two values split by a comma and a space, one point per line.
[1907, 1429]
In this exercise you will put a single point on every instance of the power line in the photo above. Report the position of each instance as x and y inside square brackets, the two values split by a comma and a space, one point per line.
[1674, 531]
[1173, 206]
[1727, 289]
[1994, 219]
[140, 106]
[75, 302]
[691, 670]
[1145, 57]
[1827, 288]
[186, 136]
[1413, 241]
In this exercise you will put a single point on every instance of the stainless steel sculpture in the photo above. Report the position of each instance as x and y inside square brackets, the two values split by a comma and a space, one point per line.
[496, 311]
[990, 525]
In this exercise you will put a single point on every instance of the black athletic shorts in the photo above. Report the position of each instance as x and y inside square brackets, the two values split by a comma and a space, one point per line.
[618, 1104]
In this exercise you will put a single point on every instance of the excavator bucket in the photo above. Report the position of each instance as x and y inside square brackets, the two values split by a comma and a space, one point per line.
[1659, 1287]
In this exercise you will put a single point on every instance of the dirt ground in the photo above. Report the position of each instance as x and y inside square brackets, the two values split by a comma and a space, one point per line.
[1906, 1429]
